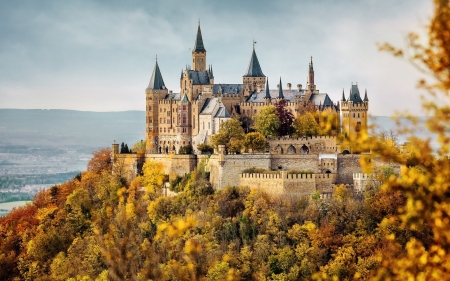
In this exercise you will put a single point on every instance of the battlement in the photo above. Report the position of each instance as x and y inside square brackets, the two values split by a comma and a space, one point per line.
[290, 138]
[361, 176]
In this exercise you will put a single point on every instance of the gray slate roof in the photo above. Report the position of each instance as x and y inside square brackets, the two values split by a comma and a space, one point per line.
[289, 95]
[222, 113]
[254, 69]
[156, 82]
[227, 88]
[354, 96]
[199, 77]
[173, 96]
[185, 98]
[198, 47]
[321, 99]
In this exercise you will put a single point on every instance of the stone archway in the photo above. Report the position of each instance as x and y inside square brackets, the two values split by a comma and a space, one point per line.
[304, 150]
[345, 152]
[160, 149]
[279, 149]
[291, 150]
[328, 172]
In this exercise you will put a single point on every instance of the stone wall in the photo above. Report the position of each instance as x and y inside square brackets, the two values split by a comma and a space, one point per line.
[292, 184]
[174, 164]
[225, 171]
[308, 145]
[347, 165]
[295, 161]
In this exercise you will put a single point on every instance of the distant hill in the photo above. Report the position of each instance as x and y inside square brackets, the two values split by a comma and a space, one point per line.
[68, 128]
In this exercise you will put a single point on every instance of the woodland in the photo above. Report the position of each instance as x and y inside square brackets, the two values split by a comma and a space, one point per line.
[97, 226]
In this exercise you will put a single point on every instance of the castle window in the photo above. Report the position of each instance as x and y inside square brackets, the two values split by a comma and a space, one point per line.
[353, 115]
[160, 110]
[184, 107]
[184, 118]
[160, 120]
[193, 123]
[164, 130]
[358, 115]
[209, 125]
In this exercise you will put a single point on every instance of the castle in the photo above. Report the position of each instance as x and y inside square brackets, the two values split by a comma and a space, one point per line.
[192, 116]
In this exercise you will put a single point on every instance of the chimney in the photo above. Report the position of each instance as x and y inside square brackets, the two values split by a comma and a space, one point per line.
[299, 86]
[289, 85]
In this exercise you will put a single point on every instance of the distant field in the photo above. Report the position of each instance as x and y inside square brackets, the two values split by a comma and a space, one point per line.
[5, 208]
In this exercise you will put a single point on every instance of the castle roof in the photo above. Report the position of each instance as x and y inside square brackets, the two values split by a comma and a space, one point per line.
[199, 77]
[365, 96]
[222, 113]
[289, 95]
[173, 96]
[211, 104]
[280, 91]
[227, 88]
[254, 69]
[156, 82]
[199, 47]
[354, 96]
[321, 100]
[185, 98]
[267, 90]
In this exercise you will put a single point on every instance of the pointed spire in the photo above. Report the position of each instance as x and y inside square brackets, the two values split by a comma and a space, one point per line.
[199, 47]
[156, 82]
[365, 96]
[343, 95]
[211, 75]
[185, 98]
[181, 74]
[254, 69]
[280, 91]
[267, 90]
[311, 73]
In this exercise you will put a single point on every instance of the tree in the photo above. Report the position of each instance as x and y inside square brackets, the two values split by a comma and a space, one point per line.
[306, 125]
[254, 141]
[139, 147]
[286, 118]
[101, 161]
[267, 121]
[230, 134]
[427, 185]
[204, 148]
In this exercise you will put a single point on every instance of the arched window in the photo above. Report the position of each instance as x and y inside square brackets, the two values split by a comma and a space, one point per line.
[184, 118]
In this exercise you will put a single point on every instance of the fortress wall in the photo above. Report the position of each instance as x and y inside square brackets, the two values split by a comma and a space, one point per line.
[295, 161]
[175, 164]
[125, 165]
[270, 183]
[347, 165]
[317, 144]
[292, 184]
[233, 165]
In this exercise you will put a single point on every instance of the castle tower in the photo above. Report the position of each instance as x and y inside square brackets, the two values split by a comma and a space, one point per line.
[254, 78]
[354, 113]
[184, 127]
[155, 92]
[199, 53]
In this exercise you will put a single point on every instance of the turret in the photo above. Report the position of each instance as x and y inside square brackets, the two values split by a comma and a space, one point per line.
[254, 77]
[199, 52]
[155, 92]
[280, 92]
[267, 98]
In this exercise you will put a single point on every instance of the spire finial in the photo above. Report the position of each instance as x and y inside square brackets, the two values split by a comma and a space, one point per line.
[198, 21]
[156, 57]
[254, 43]
[311, 59]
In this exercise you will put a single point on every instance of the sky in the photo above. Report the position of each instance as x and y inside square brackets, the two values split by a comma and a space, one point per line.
[99, 55]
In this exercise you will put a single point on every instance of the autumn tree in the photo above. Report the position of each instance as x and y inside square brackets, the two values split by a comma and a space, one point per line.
[305, 125]
[254, 141]
[267, 121]
[139, 147]
[230, 134]
[286, 118]
[100, 161]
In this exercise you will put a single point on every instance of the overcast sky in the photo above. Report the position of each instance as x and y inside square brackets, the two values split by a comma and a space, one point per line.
[99, 55]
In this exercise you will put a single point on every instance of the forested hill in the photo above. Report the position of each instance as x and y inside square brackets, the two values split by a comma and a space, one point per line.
[48, 128]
